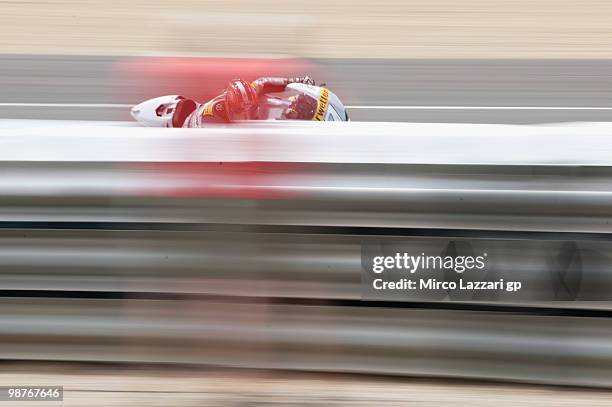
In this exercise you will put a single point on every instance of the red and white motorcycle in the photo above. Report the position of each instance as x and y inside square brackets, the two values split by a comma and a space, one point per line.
[316, 103]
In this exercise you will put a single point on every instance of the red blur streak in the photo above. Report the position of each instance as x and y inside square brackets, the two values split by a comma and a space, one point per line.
[202, 78]
[243, 180]
[199, 78]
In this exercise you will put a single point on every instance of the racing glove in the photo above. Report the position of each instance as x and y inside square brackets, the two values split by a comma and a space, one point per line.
[306, 80]
[276, 84]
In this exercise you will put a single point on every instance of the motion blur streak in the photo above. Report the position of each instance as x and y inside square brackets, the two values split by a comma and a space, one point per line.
[249, 180]
[563, 350]
[240, 246]
[198, 78]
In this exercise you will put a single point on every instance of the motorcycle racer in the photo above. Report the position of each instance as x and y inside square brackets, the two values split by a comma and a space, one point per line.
[239, 101]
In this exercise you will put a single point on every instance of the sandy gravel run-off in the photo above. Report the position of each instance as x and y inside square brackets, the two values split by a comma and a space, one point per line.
[117, 386]
[343, 28]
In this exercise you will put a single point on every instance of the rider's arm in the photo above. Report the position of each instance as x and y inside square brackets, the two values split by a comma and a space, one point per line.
[277, 84]
[212, 111]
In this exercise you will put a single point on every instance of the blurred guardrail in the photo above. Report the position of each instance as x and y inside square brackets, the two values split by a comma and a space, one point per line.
[376, 340]
[241, 245]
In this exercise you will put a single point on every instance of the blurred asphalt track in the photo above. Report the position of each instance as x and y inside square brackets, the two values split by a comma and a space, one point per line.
[467, 91]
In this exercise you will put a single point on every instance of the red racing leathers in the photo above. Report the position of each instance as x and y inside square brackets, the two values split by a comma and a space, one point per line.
[216, 110]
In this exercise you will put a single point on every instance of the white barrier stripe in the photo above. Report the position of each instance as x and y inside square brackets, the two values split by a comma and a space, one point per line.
[576, 144]
[364, 107]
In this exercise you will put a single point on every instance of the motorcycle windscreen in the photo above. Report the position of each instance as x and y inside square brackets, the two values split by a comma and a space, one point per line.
[281, 106]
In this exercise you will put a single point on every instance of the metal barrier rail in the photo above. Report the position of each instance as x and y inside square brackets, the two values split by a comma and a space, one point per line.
[493, 346]
[137, 231]
[519, 198]
[485, 177]
[284, 265]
